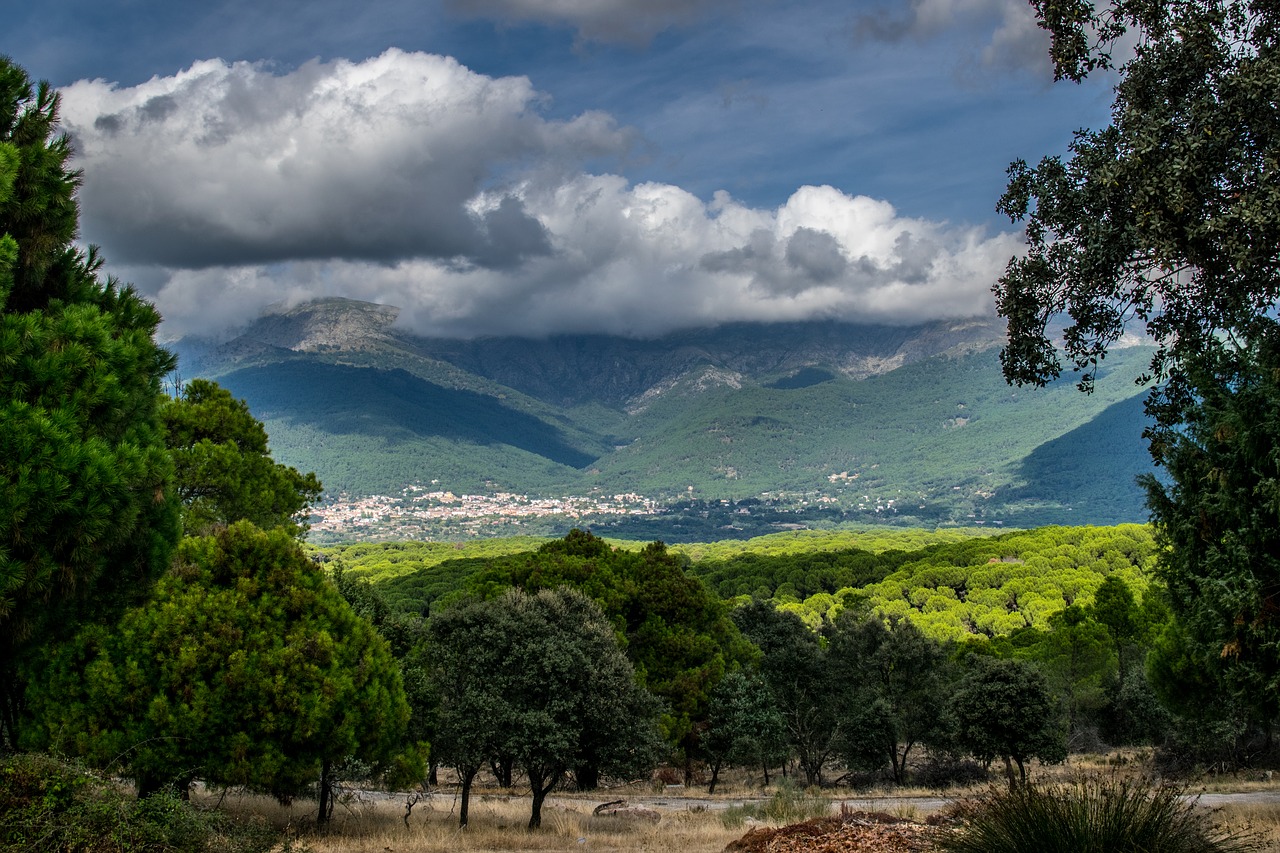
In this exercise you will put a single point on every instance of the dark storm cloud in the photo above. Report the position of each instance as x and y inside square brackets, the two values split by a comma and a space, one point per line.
[411, 180]
[1013, 40]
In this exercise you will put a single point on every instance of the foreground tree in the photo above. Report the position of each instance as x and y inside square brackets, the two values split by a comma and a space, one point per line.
[744, 729]
[540, 678]
[1171, 216]
[797, 669]
[223, 469]
[1004, 709]
[248, 668]
[676, 633]
[87, 515]
[1219, 514]
[893, 681]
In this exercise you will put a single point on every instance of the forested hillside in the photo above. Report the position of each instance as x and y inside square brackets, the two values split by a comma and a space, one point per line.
[952, 584]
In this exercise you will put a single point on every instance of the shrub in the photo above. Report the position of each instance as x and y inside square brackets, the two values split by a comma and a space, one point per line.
[789, 804]
[52, 807]
[1093, 815]
[940, 772]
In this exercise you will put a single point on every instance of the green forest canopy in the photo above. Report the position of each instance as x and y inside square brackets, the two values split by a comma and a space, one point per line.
[952, 584]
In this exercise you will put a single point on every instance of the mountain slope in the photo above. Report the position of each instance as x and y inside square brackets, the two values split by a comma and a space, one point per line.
[905, 423]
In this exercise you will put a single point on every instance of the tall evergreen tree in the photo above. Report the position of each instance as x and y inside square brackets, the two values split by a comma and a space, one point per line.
[87, 513]
[248, 668]
[224, 471]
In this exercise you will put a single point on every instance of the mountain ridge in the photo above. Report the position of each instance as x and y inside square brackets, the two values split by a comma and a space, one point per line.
[854, 417]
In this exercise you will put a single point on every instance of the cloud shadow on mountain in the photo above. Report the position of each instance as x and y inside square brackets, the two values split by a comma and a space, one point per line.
[387, 404]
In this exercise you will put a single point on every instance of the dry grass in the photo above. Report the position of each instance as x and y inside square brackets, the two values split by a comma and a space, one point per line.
[691, 820]
[1259, 819]
[496, 824]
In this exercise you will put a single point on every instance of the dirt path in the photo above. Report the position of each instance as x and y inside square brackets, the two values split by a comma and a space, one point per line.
[892, 805]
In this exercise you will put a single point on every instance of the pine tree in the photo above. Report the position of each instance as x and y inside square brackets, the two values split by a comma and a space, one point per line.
[87, 513]
[247, 668]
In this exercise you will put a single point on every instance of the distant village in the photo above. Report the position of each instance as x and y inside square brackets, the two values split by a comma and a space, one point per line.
[419, 513]
[428, 513]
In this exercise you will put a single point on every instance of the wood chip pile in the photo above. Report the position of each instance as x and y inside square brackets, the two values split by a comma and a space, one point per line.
[857, 832]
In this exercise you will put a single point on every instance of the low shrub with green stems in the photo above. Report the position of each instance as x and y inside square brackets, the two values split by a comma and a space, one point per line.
[789, 804]
[1104, 814]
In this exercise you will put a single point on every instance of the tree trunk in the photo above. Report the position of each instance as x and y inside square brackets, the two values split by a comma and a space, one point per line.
[433, 773]
[147, 785]
[1008, 772]
[900, 763]
[10, 699]
[587, 777]
[502, 768]
[765, 765]
[542, 782]
[812, 772]
[326, 794]
[715, 776]
[468, 775]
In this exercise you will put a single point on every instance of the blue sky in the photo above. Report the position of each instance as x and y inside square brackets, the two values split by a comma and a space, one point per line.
[543, 166]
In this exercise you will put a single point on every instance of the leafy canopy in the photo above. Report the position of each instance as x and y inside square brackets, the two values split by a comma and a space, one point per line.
[540, 677]
[1219, 513]
[1170, 215]
[224, 470]
[1004, 709]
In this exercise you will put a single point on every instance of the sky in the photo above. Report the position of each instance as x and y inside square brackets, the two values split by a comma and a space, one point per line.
[537, 167]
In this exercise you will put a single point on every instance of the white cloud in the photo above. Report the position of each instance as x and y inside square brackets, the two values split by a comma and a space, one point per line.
[376, 159]
[409, 180]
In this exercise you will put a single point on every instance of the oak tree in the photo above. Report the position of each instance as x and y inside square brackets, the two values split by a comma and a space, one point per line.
[1169, 216]
[539, 677]
[1004, 709]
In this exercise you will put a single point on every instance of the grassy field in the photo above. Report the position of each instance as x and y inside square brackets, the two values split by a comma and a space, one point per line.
[691, 821]
[497, 823]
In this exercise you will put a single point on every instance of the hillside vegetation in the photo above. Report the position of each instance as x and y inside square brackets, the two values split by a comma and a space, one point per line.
[953, 584]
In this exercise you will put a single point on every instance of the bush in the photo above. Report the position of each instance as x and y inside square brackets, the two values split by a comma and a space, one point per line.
[52, 807]
[789, 804]
[1096, 815]
[943, 771]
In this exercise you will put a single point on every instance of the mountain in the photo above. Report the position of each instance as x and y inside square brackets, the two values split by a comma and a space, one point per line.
[911, 424]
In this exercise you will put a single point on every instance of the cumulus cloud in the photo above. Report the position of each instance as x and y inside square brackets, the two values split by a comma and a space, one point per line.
[412, 181]
[230, 163]
[595, 20]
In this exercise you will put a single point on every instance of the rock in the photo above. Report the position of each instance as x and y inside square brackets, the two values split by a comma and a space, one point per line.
[624, 811]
